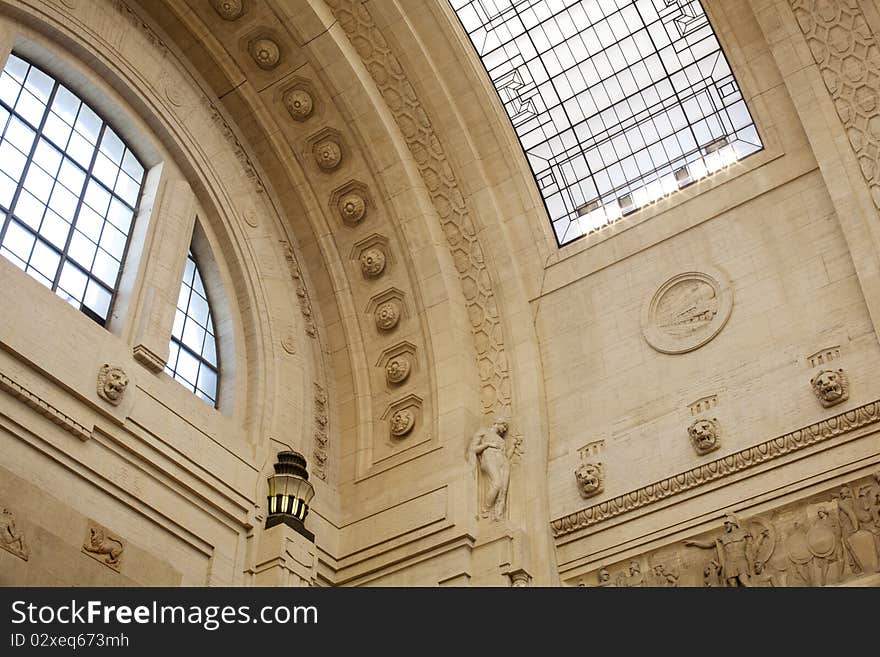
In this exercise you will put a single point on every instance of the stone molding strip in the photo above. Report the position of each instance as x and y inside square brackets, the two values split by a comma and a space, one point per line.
[718, 469]
[44, 408]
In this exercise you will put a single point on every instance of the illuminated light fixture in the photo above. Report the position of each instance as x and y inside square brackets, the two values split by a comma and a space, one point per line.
[290, 493]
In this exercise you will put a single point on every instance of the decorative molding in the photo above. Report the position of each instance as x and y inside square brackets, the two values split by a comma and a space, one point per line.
[148, 358]
[824, 356]
[458, 226]
[747, 458]
[322, 434]
[845, 51]
[703, 404]
[44, 408]
[305, 305]
[216, 116]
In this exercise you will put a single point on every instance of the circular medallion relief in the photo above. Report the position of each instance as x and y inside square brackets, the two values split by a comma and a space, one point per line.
[402, 422]
[397, 370]
[387, 316]
[687, 311]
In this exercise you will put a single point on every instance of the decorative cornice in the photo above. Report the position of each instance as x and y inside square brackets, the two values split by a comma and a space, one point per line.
[44, 408]
[148, 358]
[720, 468]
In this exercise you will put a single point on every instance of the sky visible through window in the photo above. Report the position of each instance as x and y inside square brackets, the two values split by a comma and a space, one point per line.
[69, 187]
[616, 103]
[193, 349]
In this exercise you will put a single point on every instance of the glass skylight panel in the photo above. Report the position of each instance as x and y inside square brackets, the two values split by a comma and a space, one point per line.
[193, 349]
[64, 216]
[616, 103]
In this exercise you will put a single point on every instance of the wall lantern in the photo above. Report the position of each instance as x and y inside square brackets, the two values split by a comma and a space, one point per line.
[290, 493]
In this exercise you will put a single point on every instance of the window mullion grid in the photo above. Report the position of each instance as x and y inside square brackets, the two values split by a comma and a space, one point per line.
[65, 255]
[30, 158]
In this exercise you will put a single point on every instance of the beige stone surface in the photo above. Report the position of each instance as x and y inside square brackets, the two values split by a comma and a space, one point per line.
[385, 283]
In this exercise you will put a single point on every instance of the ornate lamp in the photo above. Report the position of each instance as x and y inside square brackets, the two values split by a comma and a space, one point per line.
[290, 493]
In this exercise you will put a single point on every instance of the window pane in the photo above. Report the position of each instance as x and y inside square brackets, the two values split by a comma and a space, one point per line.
[194, 347]
[39, 240]
[588, 84]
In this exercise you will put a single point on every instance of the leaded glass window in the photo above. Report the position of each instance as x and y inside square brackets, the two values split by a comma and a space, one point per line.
[616, 103]
[69, 188]
[193, 350]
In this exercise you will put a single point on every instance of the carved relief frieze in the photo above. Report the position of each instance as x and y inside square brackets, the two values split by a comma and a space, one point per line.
[828, 538]
[12, 537]
[687, 311]
[112, 382]
[103, 546]
[769, 450]
[446, 195]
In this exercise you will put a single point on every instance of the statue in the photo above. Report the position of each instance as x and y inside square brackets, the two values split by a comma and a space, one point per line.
[494, 455]
[734, 548]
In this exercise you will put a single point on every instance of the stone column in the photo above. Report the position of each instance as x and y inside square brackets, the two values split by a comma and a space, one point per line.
[285, 558]
[172, 218]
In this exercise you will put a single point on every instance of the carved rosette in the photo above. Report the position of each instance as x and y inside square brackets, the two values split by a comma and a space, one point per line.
[265, 53]
[687, 311]
[387, 315]
[831, 387]
[299, 104]
[352, 208]
[328, 154]
[373, 262]
[228, 10]
[397, 370]
[705, 435]
[402, 423]
[112, 382]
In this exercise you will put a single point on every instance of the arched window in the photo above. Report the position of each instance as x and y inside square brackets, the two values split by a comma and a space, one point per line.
[193, 350]
[616, 102]
[69, 189]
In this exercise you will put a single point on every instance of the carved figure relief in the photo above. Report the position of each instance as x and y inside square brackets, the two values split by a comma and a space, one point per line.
[112, 382]
[11, 537]
[687, 311]
[734, 552]
[590, 479]
[103, 547]
[704, 435]
[831, 387]
[662, 577]
[633, 578]
[494, 454]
